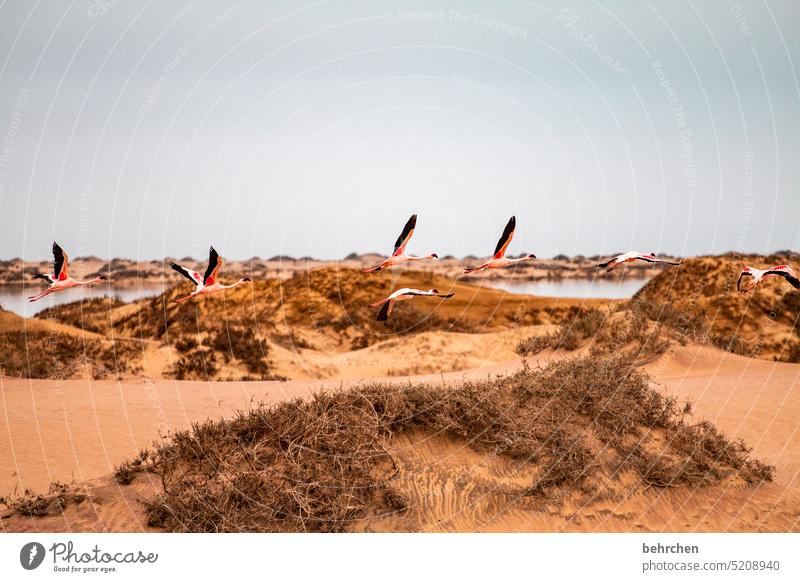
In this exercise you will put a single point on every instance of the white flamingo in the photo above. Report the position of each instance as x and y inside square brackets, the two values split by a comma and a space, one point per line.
[60, 279]
[399, 255]
[633, 256]
[207, 283]
[759, 275]
[404, 294]
[499, 259]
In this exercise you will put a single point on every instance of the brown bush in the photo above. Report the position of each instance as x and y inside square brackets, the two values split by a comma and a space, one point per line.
[197, 364]
[318, 465]
[89, 314]
[54, 355]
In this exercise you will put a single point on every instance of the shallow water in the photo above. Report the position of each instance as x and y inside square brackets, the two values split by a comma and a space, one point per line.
[14, 298]
[572, 288]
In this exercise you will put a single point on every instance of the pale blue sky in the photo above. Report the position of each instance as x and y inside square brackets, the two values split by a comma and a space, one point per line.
[154, 129]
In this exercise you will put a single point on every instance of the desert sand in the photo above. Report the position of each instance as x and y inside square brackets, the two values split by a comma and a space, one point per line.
[79, 430]
[76, 430]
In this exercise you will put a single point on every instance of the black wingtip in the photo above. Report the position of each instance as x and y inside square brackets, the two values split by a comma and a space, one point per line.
[383, 313]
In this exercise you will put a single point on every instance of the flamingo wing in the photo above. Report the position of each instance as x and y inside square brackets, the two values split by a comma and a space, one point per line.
[385, 311]
[742, 275]
[654, 259]
[60, 261]
[214, 263]
[505, 239]
[607, 263]
[405, 236]
[193, 276]
[787, 273]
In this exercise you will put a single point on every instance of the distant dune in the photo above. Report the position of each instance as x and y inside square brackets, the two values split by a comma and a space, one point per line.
[618, 458]
[125, 273]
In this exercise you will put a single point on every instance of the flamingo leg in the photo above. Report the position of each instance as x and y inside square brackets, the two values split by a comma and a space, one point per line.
[33, 298]
[189, 296]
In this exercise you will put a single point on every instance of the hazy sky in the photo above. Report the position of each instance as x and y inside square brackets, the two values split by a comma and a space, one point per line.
[152, 129]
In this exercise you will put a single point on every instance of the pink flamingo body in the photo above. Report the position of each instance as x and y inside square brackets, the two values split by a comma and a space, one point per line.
[633, 256]
[758, 275]
[399, 255]
[499, 259]
[207, 283]
[60, 279]
[404, 294]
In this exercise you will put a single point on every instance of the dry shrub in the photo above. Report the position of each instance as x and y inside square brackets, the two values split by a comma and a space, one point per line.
[576, 324]
[59, 496]
[125, 473]
[320, 464]
[29, 503]
[54, 355]
[243, 345]
[732, 343]
[233, 344]
[197, 364]
[88, 314]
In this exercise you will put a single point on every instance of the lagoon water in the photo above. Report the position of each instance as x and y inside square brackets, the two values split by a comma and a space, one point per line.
[14, 298]
[572, 288]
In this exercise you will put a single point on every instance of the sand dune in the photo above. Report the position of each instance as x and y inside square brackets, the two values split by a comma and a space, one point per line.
[80, 430]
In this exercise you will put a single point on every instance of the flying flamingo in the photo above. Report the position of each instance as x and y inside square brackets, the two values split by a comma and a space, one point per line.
[60, 278]
[759, 275]
[404, 294]
[399, 255]
[499, 259]
[633, 256]
[207, 283]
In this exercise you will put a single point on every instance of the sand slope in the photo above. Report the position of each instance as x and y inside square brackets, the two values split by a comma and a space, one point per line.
[73, 429]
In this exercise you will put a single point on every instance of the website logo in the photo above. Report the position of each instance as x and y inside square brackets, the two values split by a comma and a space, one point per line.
[31, 555]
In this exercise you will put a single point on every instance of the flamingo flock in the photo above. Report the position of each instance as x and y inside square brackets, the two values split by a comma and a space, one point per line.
[209, 283]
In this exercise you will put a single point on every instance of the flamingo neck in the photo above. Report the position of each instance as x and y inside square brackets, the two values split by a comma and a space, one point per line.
[239, 282]
[89, 282]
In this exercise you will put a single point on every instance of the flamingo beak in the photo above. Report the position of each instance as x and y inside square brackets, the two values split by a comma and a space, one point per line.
[103, 278]
[531, 256]
[246, 279]
[434, 256]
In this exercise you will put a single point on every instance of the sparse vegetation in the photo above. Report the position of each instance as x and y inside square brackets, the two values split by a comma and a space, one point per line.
[29, 503]
[90, 314]
[40, 354]
[318, 465]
